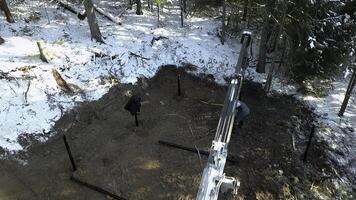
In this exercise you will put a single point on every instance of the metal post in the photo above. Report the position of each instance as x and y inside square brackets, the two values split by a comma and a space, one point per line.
[348, 94]
[178, 79]
[74, 167]
[309, 142]
[193, 150]
[96, 188]
[136, 120]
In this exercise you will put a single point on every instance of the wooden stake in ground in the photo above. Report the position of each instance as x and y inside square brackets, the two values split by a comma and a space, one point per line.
[5, 8]
[93, 24]
[348, 93]
[44, 53]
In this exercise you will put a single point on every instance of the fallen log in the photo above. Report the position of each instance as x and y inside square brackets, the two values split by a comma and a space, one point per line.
[82, 15]
[137, 56]
[123, 12]
[107, 15]
[6, 76]
[67, 7]
[154, 39]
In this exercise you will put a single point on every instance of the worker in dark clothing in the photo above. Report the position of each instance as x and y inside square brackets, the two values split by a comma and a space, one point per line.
[241, 112]
[134, 105]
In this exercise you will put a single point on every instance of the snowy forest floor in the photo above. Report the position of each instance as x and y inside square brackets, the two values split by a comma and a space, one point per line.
[131, 52]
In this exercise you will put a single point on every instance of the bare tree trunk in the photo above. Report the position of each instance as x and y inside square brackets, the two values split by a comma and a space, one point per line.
[348, 93]
[261, 62]
[93, 24]
[181, 13]
[185, 6]
[158, 15]
[149, 4]
[223, 25]
[139, 7]
[249, 11]
[130, 5]
[45, 55]
[244, 17]
[275, 53]
[5, 8]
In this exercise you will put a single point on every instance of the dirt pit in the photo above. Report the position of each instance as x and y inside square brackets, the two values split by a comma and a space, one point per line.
[111, 152]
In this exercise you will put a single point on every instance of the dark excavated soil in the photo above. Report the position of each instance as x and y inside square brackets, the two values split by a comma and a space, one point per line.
[114, 154]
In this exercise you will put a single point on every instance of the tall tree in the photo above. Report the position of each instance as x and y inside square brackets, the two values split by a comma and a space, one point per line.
[130, 5]
[245, 13]
[223, 22]
[93, 24]
[275, 50]
[5, 8]
[158, 3]
[139, 7]
[319, 37]
[181, 13]
[261, 62]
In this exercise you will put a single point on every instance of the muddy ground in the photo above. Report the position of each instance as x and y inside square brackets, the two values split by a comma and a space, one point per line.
[112, 153]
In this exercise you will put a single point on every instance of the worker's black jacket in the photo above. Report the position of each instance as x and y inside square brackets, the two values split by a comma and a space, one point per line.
[134, 105]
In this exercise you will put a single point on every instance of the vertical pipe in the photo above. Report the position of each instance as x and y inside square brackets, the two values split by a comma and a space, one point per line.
[74, 167]
[309, 142]
[178, 80]
[136, 120]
